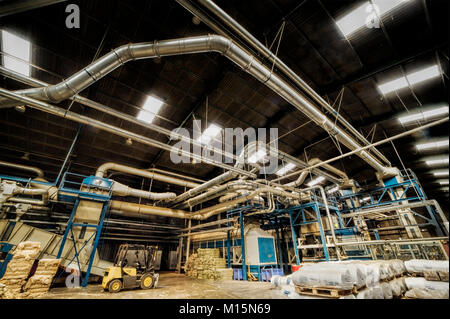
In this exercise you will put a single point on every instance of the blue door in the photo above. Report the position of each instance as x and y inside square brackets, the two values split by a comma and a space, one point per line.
[266, 250]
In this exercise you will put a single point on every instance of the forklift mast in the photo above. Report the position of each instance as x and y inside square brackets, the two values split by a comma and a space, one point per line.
[140, 256]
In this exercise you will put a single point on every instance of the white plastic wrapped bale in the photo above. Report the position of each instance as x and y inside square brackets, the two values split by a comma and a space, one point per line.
[365, 294]
[396, 288]
[421, 265]
[422, 283]
[370, 271]
[377, 292]
[319, 277]
[401, 283]
[278, 281]
[384, 269]
[357, 275]
[398, 267]
[387, 291]
[426, 294]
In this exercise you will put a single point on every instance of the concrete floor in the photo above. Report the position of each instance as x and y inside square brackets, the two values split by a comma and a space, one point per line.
[177, 286]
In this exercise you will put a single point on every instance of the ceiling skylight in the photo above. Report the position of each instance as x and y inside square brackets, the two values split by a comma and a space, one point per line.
[17, 47]
[359, 17]
[210, 133]
[440, 173]
[286, 168]
[433, 145]
[413, 78]
[436, 161]
[150, 108]
[424, 115]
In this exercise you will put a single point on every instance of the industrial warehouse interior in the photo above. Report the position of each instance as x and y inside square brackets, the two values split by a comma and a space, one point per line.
[212, 149]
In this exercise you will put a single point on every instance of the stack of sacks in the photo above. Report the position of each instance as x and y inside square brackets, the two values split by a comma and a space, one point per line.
[319, 276]
[431, 269]
[19, 268]
[206, 264]
[40, 282]
[357, 276]
[430, 289]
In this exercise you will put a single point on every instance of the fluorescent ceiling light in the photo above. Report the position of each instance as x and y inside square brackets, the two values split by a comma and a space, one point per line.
[423, 116]
[435, 162]
[432, 145]
[286, 168]
[210, 133]
[440, 173]
[257, 156]
[150, 108]
[316, 181]
[443, 182]
[357, 18]
[412, 78]
[333, 190]
[18, 47]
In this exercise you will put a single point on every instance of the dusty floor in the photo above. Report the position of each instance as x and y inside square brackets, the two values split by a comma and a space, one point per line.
[177, 286]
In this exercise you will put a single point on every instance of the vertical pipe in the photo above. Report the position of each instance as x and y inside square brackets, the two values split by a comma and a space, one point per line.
[180, 254]
[294, 238]
[188, 241]
[280, 257]
[244, 266]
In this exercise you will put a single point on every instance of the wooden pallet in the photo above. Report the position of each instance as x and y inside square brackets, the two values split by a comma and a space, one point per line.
[329, 292]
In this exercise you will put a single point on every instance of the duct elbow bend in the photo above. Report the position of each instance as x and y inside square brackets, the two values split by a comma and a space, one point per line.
[219, 43]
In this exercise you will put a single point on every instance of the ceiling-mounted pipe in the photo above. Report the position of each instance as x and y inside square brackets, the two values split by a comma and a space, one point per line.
[199, 44]
[262, 49]
[52, 109]
[202, 214]
[108, 110]
[36, 170]
[102, 170]
[120, 189]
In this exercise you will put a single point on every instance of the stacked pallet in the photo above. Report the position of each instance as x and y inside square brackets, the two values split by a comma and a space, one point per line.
[207, 264]
[40, 282]
[19, 268]
[429, 279]
[381, 279]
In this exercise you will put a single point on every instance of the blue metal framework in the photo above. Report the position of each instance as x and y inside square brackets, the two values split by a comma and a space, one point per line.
[77, 195]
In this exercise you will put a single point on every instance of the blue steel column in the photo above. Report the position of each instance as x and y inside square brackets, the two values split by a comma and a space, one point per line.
[244, 266]
[94, 248]
[294, 239]
[322, 233]
[228, 250]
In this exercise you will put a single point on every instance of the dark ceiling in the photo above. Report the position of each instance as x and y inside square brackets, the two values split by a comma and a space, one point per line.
[311, 45]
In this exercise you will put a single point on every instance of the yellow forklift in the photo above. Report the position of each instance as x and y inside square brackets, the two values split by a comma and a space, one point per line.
[133, 267]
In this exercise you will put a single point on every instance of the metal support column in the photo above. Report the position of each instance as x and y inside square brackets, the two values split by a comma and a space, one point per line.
[244, 266]
[322, 232]
[294, 238]
[228, 250]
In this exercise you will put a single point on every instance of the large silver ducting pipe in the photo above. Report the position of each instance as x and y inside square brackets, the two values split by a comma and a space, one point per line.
[120, 189]
[52, 109]
[211, 43]
[140, 210]
[37, 171]
[104, 168]
[262, 49]
[108, 110]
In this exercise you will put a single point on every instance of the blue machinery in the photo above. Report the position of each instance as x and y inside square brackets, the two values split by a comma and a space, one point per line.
[402, 190]
[92, 198]
[93, 194]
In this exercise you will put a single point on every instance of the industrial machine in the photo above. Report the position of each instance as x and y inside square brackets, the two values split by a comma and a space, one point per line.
[133, 267]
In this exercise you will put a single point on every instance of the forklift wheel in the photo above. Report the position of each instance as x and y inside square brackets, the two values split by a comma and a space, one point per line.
[147, 281]
[115, 286]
